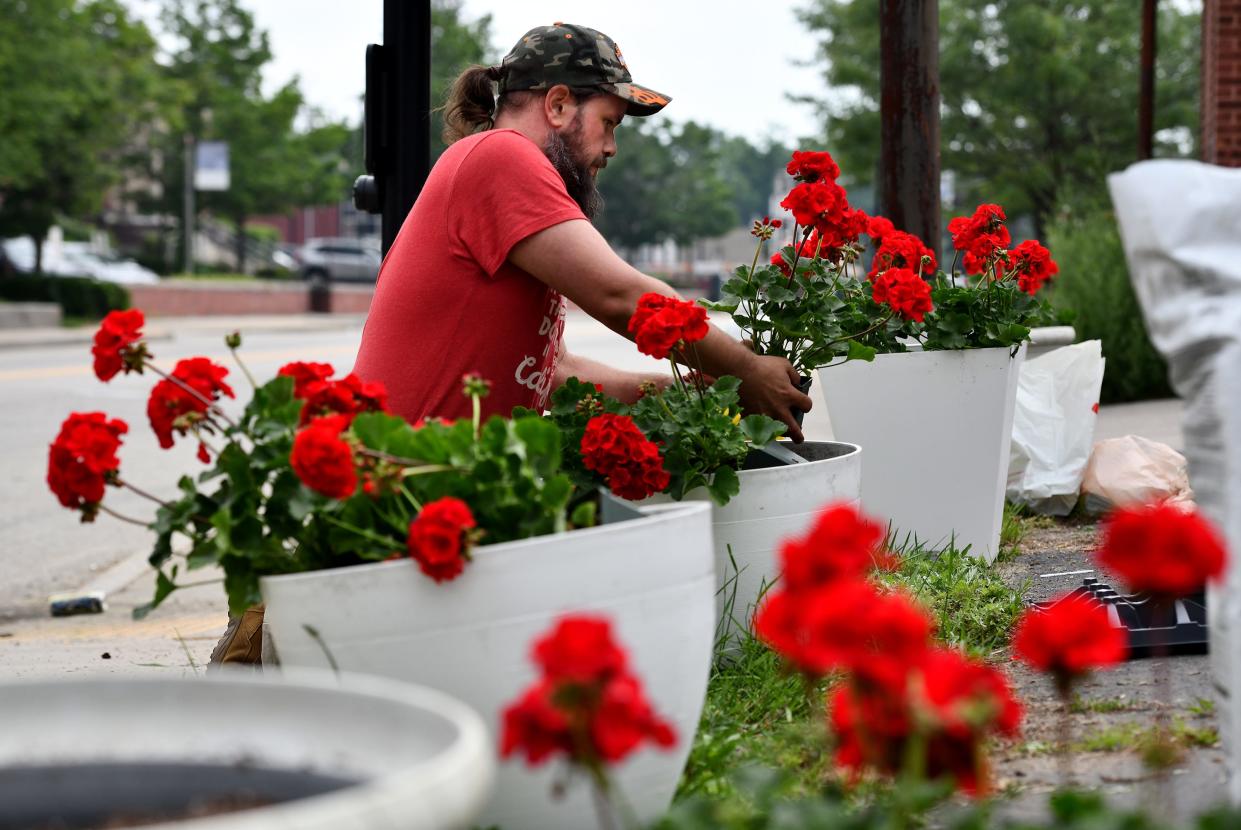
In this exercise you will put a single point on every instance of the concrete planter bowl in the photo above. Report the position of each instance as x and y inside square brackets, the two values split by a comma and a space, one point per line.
[937, 427]
[650, 572]
[321, 752]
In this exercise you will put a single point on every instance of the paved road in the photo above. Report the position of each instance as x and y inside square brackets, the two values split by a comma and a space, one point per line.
[46, 550]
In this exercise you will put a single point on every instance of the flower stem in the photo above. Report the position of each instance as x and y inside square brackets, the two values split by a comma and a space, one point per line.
[143, 493]
[364, 533]
[105, 509]
[477, 403]
[426, 469]
[241, 365]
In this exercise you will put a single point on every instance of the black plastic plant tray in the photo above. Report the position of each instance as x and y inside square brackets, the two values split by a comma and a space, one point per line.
[1180, 628]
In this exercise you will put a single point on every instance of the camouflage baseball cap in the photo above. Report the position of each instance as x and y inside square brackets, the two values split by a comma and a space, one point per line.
[576, 56]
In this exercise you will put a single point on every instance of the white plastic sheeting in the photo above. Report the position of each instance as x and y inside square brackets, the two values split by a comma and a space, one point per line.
[1180, 223]
[1053, 427]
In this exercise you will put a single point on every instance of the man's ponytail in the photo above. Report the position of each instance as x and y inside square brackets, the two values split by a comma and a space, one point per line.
[471, 104]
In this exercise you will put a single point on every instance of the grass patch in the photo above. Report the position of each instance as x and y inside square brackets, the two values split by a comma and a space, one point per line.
[974, 608]
[1136, 736]
[756, 712]
[1202, 708]
[1102, 706]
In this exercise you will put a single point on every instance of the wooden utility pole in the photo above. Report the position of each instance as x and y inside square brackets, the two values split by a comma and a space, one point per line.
[1146, 93]
[909, 110]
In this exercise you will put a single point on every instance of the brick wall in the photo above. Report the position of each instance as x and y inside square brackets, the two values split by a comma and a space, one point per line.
[1221, 82]
[206, 297]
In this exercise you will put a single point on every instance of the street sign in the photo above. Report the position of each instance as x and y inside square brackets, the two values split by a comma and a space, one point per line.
[211, 166]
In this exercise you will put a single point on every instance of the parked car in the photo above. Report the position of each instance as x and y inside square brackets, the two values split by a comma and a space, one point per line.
[339, 260]
[77, 259]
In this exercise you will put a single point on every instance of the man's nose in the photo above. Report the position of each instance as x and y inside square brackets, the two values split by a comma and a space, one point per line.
[609, 147]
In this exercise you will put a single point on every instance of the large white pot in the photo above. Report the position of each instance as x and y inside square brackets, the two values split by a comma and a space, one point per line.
[774, 503]
[937, 427]
[653, 576]
[381, 755]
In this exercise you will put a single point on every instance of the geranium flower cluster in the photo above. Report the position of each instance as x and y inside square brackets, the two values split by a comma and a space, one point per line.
[440, 538]
[982, 241]
[1069, 639]
[347, 396]
[1162, 549]
[83, 459]
[661, 324]
[817, 201]
[900, 692]
[587, 706]
[616, 449]
[183, 402]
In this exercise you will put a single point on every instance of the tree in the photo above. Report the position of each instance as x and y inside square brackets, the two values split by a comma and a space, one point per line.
[670, 181]
[455, 44]
[1036, 97]
[77, 87]
[749, 170]
[218, 62]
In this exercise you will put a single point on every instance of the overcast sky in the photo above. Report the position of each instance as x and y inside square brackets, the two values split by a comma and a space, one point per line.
[728, 63]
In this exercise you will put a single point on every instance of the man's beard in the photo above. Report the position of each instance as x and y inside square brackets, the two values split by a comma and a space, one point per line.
[566, 155]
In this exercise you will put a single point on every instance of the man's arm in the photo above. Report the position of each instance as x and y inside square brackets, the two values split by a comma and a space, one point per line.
[617, 383]
[574, 259]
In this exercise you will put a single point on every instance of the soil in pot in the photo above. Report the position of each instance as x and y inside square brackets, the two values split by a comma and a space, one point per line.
[103, 796]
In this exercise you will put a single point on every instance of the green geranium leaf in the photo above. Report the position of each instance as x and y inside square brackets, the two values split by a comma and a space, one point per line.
[857, 351]
[724, 485]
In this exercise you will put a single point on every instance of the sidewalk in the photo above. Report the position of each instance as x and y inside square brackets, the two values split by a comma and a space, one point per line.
[162, 328]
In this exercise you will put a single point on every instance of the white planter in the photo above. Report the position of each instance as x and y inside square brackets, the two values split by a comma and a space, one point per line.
[416, 759]
[937, 427]
[653, 576]
[774, 503]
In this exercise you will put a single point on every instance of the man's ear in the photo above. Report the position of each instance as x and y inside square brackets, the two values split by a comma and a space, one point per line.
[559, 106]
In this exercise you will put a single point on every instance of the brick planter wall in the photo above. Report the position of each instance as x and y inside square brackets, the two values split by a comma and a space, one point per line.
[180, 298]
[1221, 82]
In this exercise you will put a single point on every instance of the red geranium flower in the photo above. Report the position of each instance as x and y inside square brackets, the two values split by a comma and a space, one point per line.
[845, 626]
[580, 648]
[660, 324]
[809, 166]
[1161, 549]
[1069, 639]
[877, 228]
[113, 340]
[1033, 266]
[323, 460]
[841, 544]
[585, 706]
[440, 537]
[957, 703]
[624, 719]
[83, 459]
[533, 725]
[347, 396]
[172, 407]
[901, 250]
[614, 447]
[904, 292]
[304, 374]
[982, 237]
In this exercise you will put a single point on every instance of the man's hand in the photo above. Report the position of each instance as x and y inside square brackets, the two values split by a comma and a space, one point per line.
[769, 386]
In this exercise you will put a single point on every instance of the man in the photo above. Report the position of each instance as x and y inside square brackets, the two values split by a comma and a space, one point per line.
[501, 233]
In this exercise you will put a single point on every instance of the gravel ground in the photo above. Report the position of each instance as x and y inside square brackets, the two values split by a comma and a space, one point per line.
[1117, 709]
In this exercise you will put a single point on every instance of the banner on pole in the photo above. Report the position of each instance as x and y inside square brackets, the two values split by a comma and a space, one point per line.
[211, 166]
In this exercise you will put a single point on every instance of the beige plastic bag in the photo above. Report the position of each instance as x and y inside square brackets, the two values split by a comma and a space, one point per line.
[1134, 470]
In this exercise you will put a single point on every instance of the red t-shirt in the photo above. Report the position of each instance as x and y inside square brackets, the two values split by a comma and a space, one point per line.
[448, 302]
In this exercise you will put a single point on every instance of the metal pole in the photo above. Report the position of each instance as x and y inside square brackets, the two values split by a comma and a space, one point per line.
[1146, 94]
[406, 114]
[909, 112]
[187, 224]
